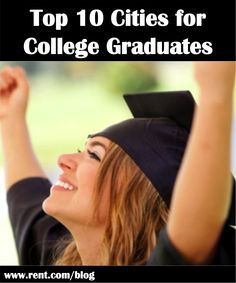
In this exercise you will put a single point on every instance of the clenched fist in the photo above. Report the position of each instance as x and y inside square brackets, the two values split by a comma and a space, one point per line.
[14, 89]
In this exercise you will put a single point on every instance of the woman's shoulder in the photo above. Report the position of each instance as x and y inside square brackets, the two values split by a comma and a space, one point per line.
[29, 188]
[165, 252]
[35, 232]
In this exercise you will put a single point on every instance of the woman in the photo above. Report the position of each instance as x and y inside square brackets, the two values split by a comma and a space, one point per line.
[114, 197]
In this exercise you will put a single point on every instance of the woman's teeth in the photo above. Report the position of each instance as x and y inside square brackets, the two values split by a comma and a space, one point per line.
[64, 185]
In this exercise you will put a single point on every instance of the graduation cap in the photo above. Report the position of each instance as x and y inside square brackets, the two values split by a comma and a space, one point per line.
[156, 137]
[175, 105]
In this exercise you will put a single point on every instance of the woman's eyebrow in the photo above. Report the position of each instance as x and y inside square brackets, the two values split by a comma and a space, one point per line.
[95, 143]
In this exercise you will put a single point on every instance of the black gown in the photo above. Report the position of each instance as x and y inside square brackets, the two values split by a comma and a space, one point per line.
[36, 234]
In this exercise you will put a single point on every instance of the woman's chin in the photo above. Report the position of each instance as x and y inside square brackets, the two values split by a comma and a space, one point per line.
[49, 208]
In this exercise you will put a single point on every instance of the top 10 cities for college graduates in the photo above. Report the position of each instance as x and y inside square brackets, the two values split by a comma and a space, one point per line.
[114, 45]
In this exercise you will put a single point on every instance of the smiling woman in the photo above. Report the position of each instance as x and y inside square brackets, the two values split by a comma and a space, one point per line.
[122, 200]
[70, 200]
[117, 247]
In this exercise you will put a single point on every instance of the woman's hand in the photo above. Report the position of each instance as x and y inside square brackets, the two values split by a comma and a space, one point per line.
[14, 89]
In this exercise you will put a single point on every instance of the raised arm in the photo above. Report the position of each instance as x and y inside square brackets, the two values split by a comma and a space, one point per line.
[19, 158]
[202, 191]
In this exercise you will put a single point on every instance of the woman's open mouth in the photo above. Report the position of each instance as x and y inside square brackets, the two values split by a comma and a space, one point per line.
[60, 185]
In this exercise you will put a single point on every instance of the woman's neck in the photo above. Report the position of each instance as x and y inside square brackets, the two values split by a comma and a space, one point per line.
[89, 245]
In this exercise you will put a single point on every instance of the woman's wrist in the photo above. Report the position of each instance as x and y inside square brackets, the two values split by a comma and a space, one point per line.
[9, 123]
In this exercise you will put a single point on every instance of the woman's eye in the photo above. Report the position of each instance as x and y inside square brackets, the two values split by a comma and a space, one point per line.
[94, 155]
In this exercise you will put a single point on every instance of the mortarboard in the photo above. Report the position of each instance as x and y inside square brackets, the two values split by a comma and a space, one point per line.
[156, 137]
[175, 105]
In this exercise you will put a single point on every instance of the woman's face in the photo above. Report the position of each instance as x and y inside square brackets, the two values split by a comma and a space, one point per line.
[71, 197]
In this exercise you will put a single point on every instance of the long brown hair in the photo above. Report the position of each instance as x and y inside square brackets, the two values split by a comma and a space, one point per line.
[136, 213]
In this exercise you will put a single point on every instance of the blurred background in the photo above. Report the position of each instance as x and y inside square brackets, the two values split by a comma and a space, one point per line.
[69, 100]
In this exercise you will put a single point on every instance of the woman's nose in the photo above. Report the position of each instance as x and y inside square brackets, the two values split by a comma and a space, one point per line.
[68, 162]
